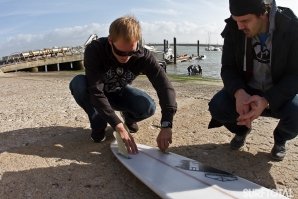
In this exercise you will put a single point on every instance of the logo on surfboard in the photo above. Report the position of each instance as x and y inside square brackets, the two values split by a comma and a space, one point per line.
[210, 172]
[221, 177]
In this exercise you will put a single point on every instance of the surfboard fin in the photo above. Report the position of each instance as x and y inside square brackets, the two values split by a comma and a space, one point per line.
[166, 151]
[121, 147]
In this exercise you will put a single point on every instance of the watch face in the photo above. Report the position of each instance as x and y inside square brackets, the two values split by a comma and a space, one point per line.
[166, 124]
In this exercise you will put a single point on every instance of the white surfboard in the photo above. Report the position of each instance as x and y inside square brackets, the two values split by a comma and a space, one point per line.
[175, 176]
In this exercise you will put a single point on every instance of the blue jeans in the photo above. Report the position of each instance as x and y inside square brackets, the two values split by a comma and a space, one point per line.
[223, 109]
[135, 104]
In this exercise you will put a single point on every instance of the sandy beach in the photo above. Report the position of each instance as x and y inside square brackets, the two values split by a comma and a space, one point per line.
[46, 150]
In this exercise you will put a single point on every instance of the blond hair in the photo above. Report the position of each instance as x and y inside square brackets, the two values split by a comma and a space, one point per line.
[127, 27]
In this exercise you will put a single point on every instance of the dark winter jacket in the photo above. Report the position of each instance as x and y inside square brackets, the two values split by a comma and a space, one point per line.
[284, 61]
[105, 74]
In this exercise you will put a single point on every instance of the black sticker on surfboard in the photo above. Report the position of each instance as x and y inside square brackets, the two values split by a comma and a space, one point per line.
[221, 177]
[210, 172]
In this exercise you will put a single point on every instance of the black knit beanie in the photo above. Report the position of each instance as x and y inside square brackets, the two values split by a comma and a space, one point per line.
[244, 7]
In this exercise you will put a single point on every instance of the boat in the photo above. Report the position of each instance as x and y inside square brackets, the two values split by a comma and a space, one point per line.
[209, 48]
[216, 49]
[183, 58]
[151, 48]
[169, 56]
[202, 57]
[212, 48]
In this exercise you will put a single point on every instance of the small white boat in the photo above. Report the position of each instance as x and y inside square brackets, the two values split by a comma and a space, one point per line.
[216, 49]
[202, 57]
[151, 48]
[209, 48]
[169, 55]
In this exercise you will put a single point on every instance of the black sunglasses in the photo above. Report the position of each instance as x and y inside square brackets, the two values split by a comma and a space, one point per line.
[123, 54]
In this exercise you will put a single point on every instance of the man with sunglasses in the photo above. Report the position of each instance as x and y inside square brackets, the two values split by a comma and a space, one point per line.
[111, 64]
[259, 72]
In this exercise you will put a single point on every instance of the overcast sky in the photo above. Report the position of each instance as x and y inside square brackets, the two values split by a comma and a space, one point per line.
[37, 24]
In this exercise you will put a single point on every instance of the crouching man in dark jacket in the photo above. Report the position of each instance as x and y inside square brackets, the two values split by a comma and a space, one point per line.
[259, 72]
[111, 65]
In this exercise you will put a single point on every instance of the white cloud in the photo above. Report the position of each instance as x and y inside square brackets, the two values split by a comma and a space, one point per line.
[185, 32]
[59, 37]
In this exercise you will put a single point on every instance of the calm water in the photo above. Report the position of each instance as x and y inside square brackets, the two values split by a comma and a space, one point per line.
[211, 65]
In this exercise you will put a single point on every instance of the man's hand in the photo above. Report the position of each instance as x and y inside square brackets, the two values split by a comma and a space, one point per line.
[257, 105]
[241, 96]
[164, 138]
[127, 139]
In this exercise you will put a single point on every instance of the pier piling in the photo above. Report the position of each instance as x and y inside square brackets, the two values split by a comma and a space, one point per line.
[175, 50]
[198, 47]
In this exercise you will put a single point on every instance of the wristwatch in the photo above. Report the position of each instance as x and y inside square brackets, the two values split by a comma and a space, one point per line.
[166, 124]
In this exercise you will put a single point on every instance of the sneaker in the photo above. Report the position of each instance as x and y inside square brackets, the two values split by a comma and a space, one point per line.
[238, 142]
[278, 152]
[98, 135]
[132, 127]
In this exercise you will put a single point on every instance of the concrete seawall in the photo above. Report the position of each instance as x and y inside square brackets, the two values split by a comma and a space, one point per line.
[58, 63]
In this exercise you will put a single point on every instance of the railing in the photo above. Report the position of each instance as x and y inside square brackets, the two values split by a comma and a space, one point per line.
[40, 54]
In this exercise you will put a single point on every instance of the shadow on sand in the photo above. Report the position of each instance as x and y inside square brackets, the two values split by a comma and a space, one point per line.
[62, 162]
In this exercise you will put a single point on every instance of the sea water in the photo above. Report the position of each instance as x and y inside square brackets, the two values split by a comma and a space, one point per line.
[211, 65]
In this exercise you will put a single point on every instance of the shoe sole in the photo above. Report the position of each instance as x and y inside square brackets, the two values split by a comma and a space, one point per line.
[276, 158]
[131, 131]
[234, 148]
[103, 139]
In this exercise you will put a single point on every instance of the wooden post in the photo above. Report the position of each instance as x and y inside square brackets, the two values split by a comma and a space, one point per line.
[198, 48]
[174, 50]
